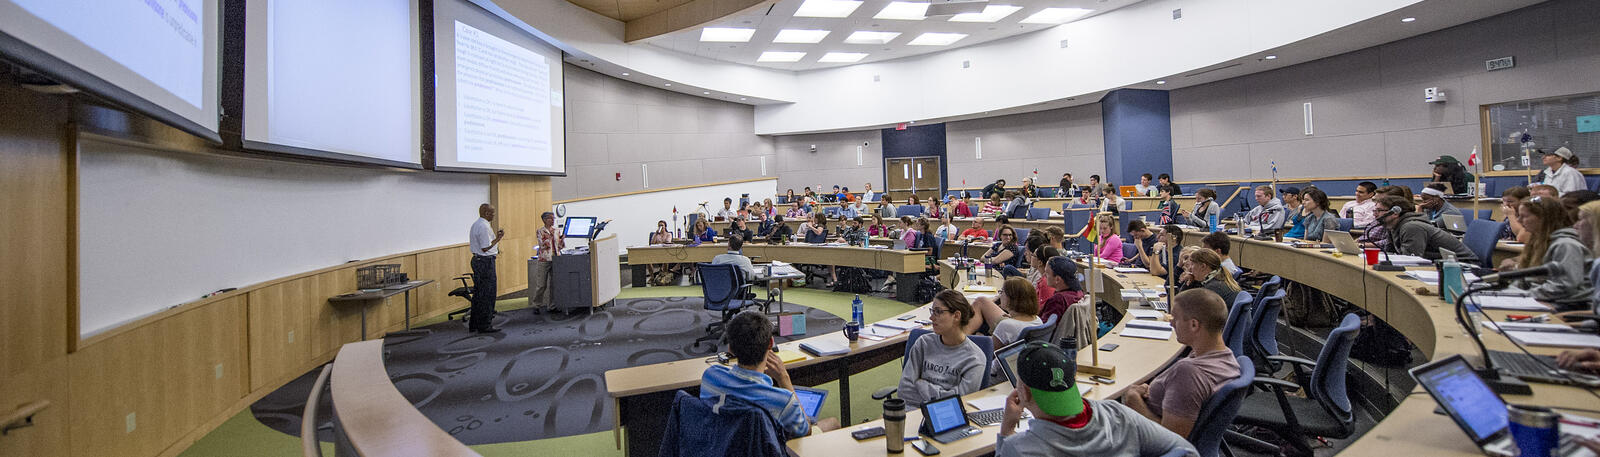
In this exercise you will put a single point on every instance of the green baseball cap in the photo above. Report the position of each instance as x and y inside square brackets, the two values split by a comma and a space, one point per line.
[1050, 378]
[1444, 160]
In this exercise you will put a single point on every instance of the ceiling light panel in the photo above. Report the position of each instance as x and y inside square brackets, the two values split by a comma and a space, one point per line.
[781, 56]
[827, 8]
[1056, 15]
[864, 37]
[903, 11]
[991, 13]
[726, 34]
[936, 39]
[842, 57]
[800, 36]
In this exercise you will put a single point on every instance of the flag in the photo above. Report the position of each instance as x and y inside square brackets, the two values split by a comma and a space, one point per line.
[1089, 231]
[1472, 160]
[1274, 168]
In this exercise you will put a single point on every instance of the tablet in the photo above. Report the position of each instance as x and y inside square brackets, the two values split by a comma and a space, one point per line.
[945, 414]
[1006, 357]
[810, 400]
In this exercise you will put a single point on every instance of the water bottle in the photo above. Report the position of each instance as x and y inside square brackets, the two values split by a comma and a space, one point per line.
[856, 313]
[972, 273]
[1215, 224]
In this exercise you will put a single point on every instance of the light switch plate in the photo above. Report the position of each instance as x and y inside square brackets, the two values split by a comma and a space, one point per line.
[219, 371]
[291, 336]
[133, 422]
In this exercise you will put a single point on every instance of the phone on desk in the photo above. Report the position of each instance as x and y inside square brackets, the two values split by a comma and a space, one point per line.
[925, 447]
[867, 433]
[1108, 347]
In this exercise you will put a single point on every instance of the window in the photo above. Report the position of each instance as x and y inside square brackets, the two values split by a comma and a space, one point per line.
[1570, 121]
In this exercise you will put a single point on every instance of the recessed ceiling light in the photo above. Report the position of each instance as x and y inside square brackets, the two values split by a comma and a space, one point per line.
[1161, 81]
[726, 34]
[936, 39]
[669, 84]
[800, 36]
[624, 73]
[842, 57]
[1056, 15]
[864, 37]
[1270, 57]
[706, 93]
[990, 13]
[1409, 19]
[903, 11]
[781, 56]
[827, 8]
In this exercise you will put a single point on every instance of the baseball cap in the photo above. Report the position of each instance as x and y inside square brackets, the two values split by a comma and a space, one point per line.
[1291, 190]
[1563, 152]
[1051, 379]
[1444, 160]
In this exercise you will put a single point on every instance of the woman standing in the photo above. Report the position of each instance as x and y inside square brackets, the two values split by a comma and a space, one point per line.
[1110, 245]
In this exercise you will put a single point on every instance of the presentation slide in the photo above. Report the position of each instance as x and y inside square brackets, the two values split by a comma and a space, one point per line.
[339, 80]
[156, 56]
[498, 97]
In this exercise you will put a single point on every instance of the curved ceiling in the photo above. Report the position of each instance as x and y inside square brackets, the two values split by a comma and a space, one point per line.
[627, 10]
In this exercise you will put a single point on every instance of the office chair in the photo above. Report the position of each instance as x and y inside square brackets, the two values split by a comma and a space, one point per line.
[724, 288]
[1326, 409]
[984, 343]
[1219, 411]
[1482, 234]
[1129, 250]
[1262, 341]
[1345, 224]
[1238, 325]
[908, 210]
[465, 292]
[1038, 214]
[1045, 332]
[728, 427]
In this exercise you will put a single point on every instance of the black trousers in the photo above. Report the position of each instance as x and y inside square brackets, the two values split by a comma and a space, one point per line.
[483, 292]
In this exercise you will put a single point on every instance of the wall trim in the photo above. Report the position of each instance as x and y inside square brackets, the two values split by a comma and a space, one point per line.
[646, 191]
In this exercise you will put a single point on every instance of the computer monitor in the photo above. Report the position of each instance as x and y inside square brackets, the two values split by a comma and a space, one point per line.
[579, 227]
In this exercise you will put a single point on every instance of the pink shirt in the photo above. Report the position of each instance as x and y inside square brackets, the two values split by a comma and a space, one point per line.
[1111, 250]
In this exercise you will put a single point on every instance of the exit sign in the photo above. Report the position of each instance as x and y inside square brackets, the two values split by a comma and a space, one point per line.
[1500, 63]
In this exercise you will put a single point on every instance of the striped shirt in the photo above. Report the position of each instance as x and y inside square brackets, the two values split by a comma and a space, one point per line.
[755, 387]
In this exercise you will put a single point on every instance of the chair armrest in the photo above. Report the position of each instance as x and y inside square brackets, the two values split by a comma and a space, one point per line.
[1264, 381]
[1293, 360]
[885, 392]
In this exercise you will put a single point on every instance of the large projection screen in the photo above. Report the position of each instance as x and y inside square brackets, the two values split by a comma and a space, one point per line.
[498, 97]
[156, 57]
[334, 79]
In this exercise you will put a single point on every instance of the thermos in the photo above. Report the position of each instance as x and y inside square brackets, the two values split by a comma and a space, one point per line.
[1533, 429]
[894, 425]
[1069, 345]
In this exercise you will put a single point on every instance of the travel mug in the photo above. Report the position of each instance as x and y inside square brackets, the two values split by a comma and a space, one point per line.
[1533, 429]
[894, 425]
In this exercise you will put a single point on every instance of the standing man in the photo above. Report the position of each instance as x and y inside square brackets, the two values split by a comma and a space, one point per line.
[550, 246]
[483, 241]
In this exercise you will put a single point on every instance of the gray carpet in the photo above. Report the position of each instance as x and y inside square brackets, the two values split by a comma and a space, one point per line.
[543, 377]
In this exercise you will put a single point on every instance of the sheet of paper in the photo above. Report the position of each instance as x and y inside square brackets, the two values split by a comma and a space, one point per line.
[1508, 303]
[1145, 314]
[898, 325]
[1152, 325]
[1526, 327]
[1147, 333]
[1431, 277]
[1131, 270]
[1556, 339]
[988, 403]
[1410, 260]
[979, 288]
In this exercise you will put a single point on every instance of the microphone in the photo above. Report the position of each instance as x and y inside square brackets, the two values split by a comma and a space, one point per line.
[1547, 269]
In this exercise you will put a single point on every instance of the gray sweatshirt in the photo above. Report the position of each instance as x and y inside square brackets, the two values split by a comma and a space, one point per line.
[1113, 431]
[1415, 235]
[934, 370]
[1270, 216]
[1571, 287]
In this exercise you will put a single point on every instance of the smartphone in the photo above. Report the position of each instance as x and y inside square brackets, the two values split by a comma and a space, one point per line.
[868, 433]
[1108, 347]
[923, 322]
[1102, 379]
[925, 447]
[907, 317]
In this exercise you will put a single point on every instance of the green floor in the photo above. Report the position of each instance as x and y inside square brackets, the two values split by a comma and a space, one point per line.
[243, 436]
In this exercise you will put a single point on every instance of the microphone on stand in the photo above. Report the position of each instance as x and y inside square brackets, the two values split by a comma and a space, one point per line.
[1548, 269]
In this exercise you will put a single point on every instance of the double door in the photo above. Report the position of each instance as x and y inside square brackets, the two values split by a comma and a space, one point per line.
[912, 175]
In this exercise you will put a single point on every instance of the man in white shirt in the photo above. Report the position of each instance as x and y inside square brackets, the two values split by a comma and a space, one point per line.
[735, 256]
[1362, 207]
[1561, 171]
[727, 213]
[1143, 187]
[483, 241]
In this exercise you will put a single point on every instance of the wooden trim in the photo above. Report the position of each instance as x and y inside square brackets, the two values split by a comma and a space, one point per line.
[691, 186]
[69, 153]
[1306, 179]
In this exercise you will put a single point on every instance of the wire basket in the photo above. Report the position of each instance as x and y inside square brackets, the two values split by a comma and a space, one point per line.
[379, 276]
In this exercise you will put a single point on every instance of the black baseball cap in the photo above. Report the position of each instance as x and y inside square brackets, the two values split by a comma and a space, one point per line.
[1051, 379]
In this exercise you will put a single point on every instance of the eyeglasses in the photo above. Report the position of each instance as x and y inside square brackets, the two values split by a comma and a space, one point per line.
[937, 311]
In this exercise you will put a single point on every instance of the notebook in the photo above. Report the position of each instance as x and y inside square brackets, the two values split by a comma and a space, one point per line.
[825, 347]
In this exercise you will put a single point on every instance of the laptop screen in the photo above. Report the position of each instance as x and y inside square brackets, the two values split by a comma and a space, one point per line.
[945, 414]
[810, 399]
[1464, 396]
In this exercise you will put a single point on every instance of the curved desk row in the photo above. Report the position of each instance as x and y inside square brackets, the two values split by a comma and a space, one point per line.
[372, 419]
[962, 223]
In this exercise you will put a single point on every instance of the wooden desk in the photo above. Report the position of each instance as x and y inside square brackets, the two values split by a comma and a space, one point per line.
[365, 299]
[903, 263]
[374, 420]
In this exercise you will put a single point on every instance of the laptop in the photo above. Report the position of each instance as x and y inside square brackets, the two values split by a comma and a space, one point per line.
[810, 400]
[1475, 408]
[1455, 223]
[945, 420]
[1342, 241]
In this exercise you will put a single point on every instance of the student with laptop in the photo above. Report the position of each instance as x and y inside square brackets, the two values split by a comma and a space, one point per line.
[1411, 233]
[1174, 397]
[1553, 240]
[1434, 206]
[759, 377]
[945, 362]
[1066, 424]
[1479, 411]
[1314, 205]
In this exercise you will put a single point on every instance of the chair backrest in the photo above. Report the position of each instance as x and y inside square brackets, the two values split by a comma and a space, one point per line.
[693, 217]
[1265, 321]
[1345, 224]
[1238, 324]
[1036, 214]
[1129, 250]
[729, 427]
[1047, 192]
[984, 342]
[1043, 332]
[1486, 214]
[1468, 215]
[1328, 379]
[718, 284]
[1022, 234]
[831, 211]
[1268, 287]
[1019, 212]
[1219, 410]
[1481, 236]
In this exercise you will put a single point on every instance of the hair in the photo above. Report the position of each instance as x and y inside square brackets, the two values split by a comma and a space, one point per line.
[1136, 225]
[1111, 188]
[661, 224]
[858, 220]
[1165, 176]
[1518, 192]
[921, 224]
[1398, 191]
[1538, 187]
[1217, 241]
[876, 219]
[1045, 253]
[1368, 186]
[1147, 176]
[957, 304]
[1572, 200]
[1591, 212]
[1104, 217]
[1062, 267]
[820, 218]
[1393, 201]
[1552, 216]
[994, 198]
[1002, 219]
[913, 200]
[1175, 231]
[700, 222]
[1055, 232]
[1094, 177]
[735, 242]
[905, 220]
[1265, 189]
[1207, 193]
[1023, 296]
[1035, 239]
[1316, 195]
[1204, 306]
[1213, 260]
[1011, 194]
[1000, 181]
[1005, 228]
[749, 336]
[546, 214]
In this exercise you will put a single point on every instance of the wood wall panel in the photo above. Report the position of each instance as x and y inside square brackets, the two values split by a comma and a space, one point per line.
[274, 312]
[34, 237]
[520, 200]
[48, 381]
[442, 266]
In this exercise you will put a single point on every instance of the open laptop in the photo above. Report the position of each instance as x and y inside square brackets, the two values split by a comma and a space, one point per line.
[1006, 358]
[810, 400]
[1455, 223]
[1342, 241]
[945, 420]
[1479, 411]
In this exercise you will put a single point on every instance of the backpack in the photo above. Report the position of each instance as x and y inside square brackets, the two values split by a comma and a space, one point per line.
[1380, 344]
[853, 280]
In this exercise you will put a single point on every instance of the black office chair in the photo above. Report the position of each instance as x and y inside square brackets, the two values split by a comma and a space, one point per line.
[465, 292]
[1326, 409]
[724, 289]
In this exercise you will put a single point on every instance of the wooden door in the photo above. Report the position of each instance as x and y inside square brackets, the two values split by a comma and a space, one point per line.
[908, 175]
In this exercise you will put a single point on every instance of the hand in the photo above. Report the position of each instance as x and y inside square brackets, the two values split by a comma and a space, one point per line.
[1592, 444]
[775, 369]
[1012, 414]
[498, 234]
[1159, 247]
[1580, 360]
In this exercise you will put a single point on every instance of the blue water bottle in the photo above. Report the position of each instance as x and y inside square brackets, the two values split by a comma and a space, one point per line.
[1212, 219]
[856, 313]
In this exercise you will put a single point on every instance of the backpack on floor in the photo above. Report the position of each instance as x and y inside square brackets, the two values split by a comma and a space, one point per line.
[1307, 307]
[1380, 344]
[927, 287]
[853, 280]
[664, 278]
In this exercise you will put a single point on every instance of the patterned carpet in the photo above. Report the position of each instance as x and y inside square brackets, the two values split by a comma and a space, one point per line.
[513, 386]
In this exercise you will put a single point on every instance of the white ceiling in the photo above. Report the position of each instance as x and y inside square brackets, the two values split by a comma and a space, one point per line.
[769, 21]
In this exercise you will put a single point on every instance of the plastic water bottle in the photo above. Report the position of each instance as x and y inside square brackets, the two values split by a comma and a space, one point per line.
[1215, 224]
[856, 312]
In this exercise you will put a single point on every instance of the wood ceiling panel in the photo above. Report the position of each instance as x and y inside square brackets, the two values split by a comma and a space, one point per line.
[607, 8]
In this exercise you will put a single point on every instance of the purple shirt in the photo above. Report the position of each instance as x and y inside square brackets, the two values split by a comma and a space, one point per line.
[1184, 388]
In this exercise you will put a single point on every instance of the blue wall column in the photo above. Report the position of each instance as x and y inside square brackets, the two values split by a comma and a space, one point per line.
[918, 141]
[1138, 135]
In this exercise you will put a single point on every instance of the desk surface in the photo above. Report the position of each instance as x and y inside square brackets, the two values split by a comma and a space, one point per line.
[379, 421]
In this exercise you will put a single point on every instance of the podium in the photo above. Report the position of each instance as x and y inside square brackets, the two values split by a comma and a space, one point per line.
[585, 280]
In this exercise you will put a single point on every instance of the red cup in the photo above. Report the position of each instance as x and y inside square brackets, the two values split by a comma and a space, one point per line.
[1372, 255]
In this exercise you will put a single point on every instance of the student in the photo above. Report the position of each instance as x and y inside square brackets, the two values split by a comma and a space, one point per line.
[1552, 239]
[1143, 239]
[790, 197]
[1446, 169]
[1057, 237]
[1509, 200]
[1017, 200]
[727, 212]
[908, 233]
[1166, 248]
[947, 228]
[1221, 244]
[768, 208]
[702, 233]
[735, 256]
[780, 232]
[1561, 171]
[1174, 398]
[661, 235]
[759, 377]
[1572, 200]
[1004, 252]
[849, 210]
[1294, 228]
[963, 208]
[1111, 202]
[913, 200]
[998, 188]
[1269, 213]
[1165, 182]
[1361, 209]
[1066, 424]
[988, 309]
[845, 195]
[1018, 299]
[1314, 204]
[1433, 205]
[1095, 189]
[867, 195]
[1067, 190]
[1062, 274]
[1204, 270]
[1544, 190]
[815, 231]
[877, 228]
[1110, 246]
[1377, 235]
[1410, 233]
[1143, 188]
[1205, 206]
[945, 362]
[1028, 190]
[1170, 212]
[993, 206]
[798, 212]
[855, 234]
[837, 195]
[737, 227]
[976, 232]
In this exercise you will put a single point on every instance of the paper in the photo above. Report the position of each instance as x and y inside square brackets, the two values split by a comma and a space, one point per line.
[1431, 277]
[1130, 270]
[1557, 339]
[825, 347]
[879, 332]
[979, 288]
[898, 325]
[1508, 303]
[1147, 333]
[791, 356]
[1145, 314]
[1152, 325]
[1526, 327]
[988, 403]
[1408, 260]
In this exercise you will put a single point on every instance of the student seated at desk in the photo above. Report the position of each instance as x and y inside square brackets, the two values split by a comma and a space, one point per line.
[1377, 234]
[1361, 209]
[1219, 242]
[945, 362]
[1174, 398]
[727, 213]
[1433, 205]
[1165, 182]
[976, 232]
[1066, 424]
[992, 310]
[854, 233]
[1004, 252]
[1062, 275]
[739, 228]
[735, 256]
[993, 206]
[1204, 270]
[962, 208]
[1110, 245]
[1143, 240]
[1056, 237]
[877, 228]
[1018, 299]
[1163, 253]
[947, 228]
[1112, 201]
[779, 232]
[1572, 200]
[1410, 232]
[702, 233]
[759, 377]
[1168, 207]
[1268, 213]
[1315, 215]
[1552, 239]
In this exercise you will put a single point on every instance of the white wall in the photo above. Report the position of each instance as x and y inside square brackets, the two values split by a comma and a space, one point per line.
[158, 229]
[1054, 142]
[634, 216]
